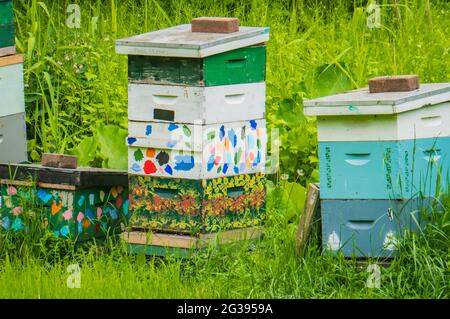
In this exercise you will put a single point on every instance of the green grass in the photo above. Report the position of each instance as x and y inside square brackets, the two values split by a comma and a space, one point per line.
[270, 269]
[76, 88]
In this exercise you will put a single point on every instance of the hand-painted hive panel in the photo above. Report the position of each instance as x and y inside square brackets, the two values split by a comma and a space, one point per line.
[13, 139]
[369, 228]
[11, 89]
[193, 206]
[197, 151]
[218, 104]
[384, 169]
[80, 215]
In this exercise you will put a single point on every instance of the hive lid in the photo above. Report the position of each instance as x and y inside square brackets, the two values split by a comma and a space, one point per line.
[362, 102]
[81, 177]
[179, 41]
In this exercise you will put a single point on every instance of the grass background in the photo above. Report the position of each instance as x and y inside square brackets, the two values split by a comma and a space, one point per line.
[76, 102]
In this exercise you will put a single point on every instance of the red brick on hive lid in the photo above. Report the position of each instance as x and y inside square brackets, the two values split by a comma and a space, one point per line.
[394, 83]
[215, 24]
[59, 160]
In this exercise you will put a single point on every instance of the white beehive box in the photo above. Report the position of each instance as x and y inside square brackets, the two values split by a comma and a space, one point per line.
[188, 104]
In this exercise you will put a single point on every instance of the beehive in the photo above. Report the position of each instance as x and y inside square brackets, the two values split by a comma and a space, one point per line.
[196, 119]
[80, 204]
[377, 152]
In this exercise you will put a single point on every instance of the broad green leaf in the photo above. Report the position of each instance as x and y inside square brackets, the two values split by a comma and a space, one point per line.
[293, 197]
[327, 79]
[113, 149]
[86, 151]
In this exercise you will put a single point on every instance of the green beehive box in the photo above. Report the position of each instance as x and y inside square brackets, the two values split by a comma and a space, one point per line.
[6, 24]
[80, 204]
[244, 65]
[185, 206]
[177, 56]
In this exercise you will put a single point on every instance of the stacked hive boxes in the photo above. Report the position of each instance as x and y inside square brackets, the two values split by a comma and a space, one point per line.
[12, 103]
[197, 136]
[383, 156]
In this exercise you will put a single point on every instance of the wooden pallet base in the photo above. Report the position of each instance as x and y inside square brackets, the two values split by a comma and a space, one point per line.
[8, 51]
[161, 244]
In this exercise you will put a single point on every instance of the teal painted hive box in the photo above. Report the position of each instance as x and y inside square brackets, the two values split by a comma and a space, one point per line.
[177, 56]
[393, 145]
[370, 228]
[80, 204]
[385, 169]
[6, 24]
[197, 206]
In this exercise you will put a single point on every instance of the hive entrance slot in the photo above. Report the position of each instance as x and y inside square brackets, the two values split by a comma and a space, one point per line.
[360, 224]
[166, 193]
[235, 191]
[164, 115]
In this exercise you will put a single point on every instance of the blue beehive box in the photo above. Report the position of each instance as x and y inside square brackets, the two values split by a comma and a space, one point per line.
[369, 228]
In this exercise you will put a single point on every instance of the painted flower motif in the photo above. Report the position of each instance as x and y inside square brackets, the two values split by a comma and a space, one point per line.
[137, 190]
[5, 222]
[17, 224]
[56, 207]
[65, 231]
[16, 211]
[80, 217]
[86, 223]
[99, 213]
[11, 191]
[119, 201]
[67, 214]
